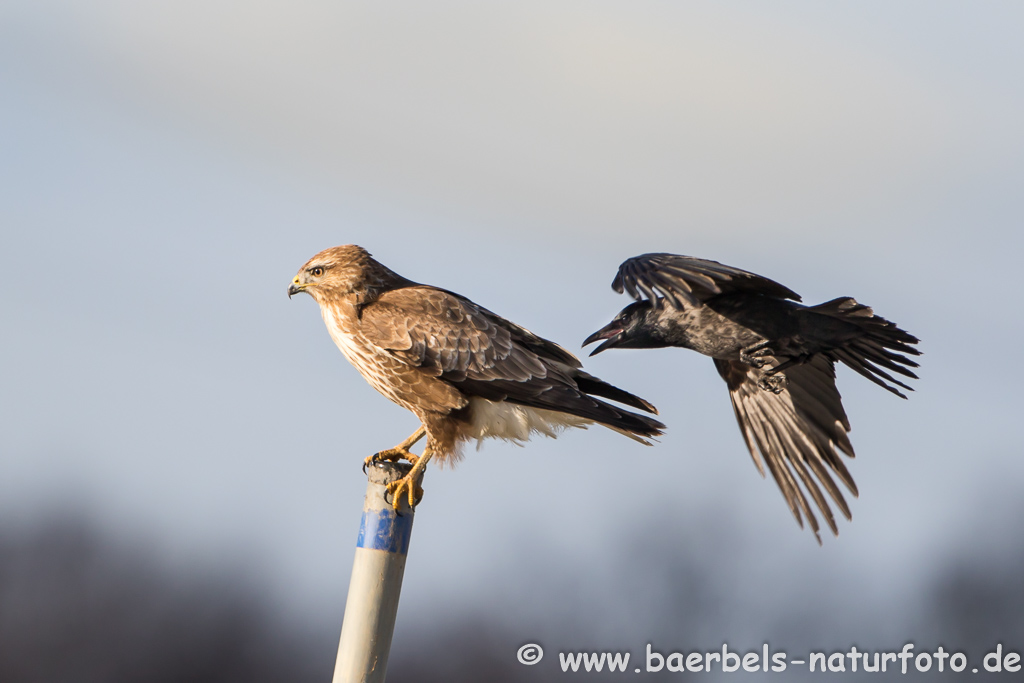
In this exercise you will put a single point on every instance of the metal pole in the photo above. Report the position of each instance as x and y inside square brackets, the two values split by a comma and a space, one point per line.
[376, 581]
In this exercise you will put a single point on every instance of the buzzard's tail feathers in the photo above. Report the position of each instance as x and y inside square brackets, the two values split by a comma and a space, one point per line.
[568, 404]
[635, 426]
[629, 424]
[572, 400]
[589, 384]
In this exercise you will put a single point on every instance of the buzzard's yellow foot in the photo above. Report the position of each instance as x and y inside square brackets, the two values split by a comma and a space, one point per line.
[399, 452]
[409, 485]
[406, 486]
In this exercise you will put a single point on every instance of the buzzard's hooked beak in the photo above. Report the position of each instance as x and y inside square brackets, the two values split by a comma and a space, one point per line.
[611, 333]
[296, 287]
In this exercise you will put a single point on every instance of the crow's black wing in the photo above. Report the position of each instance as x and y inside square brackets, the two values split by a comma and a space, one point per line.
[796, 431]
[688, 281]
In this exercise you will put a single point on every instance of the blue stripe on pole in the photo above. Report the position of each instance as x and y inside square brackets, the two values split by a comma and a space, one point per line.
[385, 530]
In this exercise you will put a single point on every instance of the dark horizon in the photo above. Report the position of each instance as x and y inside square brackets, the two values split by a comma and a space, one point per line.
[78, 604]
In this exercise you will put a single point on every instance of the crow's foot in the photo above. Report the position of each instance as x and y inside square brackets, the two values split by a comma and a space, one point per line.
[772, 383]
[754, 355]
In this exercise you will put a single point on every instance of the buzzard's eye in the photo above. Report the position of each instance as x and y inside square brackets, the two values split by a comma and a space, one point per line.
[317, 272]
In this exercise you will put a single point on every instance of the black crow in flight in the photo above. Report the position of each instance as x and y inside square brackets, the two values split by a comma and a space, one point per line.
[777, 357]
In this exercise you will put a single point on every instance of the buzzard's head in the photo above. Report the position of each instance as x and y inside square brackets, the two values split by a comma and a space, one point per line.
[334, 273]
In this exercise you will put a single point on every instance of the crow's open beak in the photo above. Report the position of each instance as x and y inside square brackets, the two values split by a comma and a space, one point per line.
[611, 333]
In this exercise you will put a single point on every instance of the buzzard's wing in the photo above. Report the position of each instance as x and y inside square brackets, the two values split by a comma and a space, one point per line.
[482, 354]
[688, 281]
[795, 431]
[522, 336]
[448, 336]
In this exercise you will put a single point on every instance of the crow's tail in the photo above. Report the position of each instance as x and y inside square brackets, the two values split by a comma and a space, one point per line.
[881, 344]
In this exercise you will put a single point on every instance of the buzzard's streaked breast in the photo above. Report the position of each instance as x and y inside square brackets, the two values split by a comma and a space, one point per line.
[405, 385]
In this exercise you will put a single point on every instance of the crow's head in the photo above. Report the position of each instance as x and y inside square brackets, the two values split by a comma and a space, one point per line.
[639, 325]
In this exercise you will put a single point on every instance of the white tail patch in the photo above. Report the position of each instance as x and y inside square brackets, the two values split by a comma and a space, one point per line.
[515, 423]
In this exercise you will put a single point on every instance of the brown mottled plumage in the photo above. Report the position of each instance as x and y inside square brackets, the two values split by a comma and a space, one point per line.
[464, 371]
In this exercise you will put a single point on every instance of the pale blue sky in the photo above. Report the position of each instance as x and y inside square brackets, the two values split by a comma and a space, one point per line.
[167, 167]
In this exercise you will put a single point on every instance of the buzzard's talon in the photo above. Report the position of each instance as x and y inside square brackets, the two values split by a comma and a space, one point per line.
[399, 452]
[404, 487]
[390, 455]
